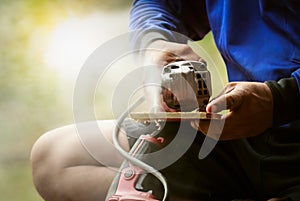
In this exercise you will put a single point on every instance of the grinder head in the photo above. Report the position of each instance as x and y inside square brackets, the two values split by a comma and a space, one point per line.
[186, 85]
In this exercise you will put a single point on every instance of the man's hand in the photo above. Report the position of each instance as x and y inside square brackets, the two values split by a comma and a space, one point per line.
[163, 52]
[250, 106]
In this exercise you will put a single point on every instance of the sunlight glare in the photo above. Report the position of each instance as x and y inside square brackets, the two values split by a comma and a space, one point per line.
[76, 38]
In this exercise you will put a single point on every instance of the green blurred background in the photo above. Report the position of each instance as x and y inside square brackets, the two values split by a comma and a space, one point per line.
[43, 45]
[38, 66]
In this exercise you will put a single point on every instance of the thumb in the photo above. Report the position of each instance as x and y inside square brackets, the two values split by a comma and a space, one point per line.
[229, 101]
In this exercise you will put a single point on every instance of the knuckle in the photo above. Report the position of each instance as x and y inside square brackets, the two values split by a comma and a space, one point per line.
[230, 100]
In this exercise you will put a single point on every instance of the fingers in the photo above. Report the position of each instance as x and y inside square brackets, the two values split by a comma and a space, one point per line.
[251, 110]
[164, 52]
[212, 128]
[164, 106]
[202, 60]
[231, 100]
[167, 57]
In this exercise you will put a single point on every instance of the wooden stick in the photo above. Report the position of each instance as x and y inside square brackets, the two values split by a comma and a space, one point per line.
[174, 116]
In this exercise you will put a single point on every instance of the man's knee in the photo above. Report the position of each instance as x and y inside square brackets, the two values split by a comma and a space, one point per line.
[52, 153]
[43, 167]
[56, 151]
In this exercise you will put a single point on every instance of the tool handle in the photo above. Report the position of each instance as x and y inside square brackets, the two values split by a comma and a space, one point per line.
[123, 186]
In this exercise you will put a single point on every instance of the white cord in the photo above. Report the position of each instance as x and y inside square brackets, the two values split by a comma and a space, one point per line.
[132, 159]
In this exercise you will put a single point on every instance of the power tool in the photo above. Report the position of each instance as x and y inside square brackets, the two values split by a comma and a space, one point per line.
[186, 87]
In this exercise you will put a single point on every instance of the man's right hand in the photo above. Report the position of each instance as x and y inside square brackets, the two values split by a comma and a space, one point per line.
[162, 52]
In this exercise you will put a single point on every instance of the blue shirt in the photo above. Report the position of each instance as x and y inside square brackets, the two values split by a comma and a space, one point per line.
[259, 40]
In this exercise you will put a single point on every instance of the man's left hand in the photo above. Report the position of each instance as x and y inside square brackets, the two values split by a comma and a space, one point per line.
[250, 106]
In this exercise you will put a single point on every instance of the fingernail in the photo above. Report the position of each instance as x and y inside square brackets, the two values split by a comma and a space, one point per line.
[213, 108]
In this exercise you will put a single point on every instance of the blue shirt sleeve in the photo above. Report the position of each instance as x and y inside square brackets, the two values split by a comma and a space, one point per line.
[161, 18]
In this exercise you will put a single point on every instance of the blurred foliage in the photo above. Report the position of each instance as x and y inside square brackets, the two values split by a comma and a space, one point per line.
[31, 95]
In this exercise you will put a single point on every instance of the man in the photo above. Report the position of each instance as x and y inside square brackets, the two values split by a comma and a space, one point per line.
[259, 41]
[258, 156]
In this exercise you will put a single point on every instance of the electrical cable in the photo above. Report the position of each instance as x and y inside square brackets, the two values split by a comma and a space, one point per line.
[132, 159]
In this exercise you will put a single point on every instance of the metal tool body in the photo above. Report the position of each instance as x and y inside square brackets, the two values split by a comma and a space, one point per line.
[186, 85]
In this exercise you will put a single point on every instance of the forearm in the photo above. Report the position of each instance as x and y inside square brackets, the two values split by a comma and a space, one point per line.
[151, 21]
[160, 19]
[154, 16]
